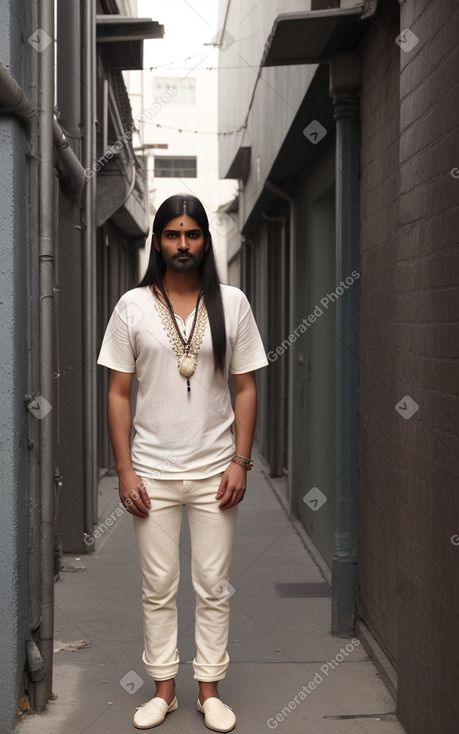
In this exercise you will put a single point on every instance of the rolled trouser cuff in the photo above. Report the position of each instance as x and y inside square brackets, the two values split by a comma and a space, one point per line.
[162, 671]
[208, 673]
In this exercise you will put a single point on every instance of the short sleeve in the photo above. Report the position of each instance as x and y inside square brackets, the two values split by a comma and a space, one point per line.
[117, 351]
[248, 350]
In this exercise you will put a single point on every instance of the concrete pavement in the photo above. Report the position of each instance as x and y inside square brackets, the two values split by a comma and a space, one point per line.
[287, 672]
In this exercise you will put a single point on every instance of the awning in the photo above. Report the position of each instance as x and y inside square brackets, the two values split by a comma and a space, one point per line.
[240, 167]
[125, 36]
[312, 37]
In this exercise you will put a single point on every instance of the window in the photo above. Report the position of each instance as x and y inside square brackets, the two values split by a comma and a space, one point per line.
[185, 88]
[172, 166]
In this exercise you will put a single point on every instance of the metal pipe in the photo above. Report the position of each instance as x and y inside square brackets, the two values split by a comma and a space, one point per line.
[89, 268]
[344, 88]
[291, 318]
[223, 28]
[33, 364]
[72, 165]
[14, 102]
[43, 688]
[277, 375]
[69, 93]
[93, 459]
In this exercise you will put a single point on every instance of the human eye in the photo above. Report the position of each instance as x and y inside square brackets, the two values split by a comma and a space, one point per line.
[171, 235]
[194, 234]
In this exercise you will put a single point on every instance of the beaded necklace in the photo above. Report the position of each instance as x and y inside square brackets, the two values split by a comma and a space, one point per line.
[186, 350]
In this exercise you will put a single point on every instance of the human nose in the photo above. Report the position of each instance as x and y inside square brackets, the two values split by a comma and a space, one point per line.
[182, 243]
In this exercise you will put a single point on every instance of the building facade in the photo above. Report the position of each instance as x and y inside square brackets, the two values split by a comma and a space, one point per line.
[347, 249]
[178, 139]
[74, 214]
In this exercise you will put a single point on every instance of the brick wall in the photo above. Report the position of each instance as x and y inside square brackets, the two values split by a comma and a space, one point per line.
[378, 390]
[427, 342]
[409, 342]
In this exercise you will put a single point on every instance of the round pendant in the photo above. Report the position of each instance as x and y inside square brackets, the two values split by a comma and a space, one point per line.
[187, 364]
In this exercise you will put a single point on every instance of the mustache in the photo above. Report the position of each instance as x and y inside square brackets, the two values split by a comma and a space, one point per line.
[183, 254]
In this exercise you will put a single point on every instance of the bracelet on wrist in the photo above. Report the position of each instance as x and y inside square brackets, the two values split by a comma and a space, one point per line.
[243, 461]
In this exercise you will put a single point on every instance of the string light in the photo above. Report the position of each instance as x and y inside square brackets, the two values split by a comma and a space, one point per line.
[201, 132]
[168, 64]
[202, 68]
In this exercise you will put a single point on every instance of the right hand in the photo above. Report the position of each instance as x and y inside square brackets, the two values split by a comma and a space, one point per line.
[133, 494]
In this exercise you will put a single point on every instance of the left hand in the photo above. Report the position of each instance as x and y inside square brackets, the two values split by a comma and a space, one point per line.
[232, 486]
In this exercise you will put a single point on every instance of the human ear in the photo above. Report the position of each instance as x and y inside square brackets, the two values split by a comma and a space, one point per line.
[156, 242]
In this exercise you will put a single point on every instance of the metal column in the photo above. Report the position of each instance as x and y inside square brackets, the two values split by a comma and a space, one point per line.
[344, 87]
[43, 688]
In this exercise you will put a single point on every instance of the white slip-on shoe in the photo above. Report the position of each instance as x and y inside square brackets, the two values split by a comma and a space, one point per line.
[153, 712]
[217, 715]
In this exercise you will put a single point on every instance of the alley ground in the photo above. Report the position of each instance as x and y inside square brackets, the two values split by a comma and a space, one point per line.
[277, 645]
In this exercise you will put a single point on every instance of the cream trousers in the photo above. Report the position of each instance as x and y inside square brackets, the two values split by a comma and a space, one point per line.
[158, 537]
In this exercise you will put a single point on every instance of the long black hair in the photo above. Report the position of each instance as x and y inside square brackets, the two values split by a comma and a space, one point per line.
[176, 206]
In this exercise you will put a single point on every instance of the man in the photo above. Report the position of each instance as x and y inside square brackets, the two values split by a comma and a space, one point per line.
[183, 332]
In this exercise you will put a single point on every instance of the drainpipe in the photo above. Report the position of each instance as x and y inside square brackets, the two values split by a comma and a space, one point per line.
[89, 268]
[344, 89]
[73, 169]
[291, 307]
[14, 102]
[277, 412]
[43, 688]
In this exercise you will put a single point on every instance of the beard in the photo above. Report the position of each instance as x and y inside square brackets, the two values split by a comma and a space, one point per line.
[187, 265]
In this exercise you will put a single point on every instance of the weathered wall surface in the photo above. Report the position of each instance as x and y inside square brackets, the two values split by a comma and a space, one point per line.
[13, 424]
[378, 391]
[427, 344]
[409, 341]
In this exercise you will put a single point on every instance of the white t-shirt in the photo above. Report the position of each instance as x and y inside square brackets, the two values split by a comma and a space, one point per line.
[180, 434]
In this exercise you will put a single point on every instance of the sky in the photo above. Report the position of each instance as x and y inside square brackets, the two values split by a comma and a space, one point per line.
[188, 26]
[190, 29]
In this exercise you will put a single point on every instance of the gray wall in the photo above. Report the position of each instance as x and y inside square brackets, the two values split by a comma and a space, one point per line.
[313, 355]
[14, 415]
[409, 346]
[297, 392]
[278, 93]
